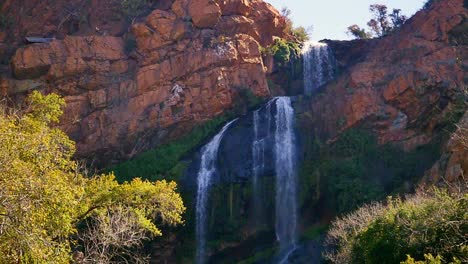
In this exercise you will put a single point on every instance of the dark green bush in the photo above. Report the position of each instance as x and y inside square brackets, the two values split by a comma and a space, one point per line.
[283, 51]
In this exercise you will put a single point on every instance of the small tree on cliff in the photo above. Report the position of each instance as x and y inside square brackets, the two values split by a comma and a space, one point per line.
[45, 200]
[301, 34]
[358, 32]
[381, 24]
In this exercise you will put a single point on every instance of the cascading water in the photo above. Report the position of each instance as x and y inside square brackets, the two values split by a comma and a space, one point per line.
[205, 174]
[319, 66]
[285, 166]
[259, 147]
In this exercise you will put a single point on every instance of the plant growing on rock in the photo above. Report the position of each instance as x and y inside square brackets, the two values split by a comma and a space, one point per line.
[381, 24]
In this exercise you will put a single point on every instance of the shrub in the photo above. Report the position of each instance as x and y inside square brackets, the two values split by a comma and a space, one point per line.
[300, 33]
[358, 32]
[426, 223]
[283, 51]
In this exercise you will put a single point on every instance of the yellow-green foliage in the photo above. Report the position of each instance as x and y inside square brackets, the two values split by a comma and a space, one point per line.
[428, 259]
[43, 196]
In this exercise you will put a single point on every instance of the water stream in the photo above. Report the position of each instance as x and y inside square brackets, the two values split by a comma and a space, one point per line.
[286, 182]
[319, 66]
[205, 174]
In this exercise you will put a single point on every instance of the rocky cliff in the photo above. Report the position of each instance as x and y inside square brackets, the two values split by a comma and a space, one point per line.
[402, 86]
[131, 85]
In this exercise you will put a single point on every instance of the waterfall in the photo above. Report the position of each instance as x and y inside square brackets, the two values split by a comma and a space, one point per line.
[319, 66]
[206, 172]
[259, 146]
[285, 166]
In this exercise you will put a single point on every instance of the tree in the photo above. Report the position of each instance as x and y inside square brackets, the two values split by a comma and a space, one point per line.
[397, 18]
[299, 33]
[44, 197]
[357, 32]
[381, 23]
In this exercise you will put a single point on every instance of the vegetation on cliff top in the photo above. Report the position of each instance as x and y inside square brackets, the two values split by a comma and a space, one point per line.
[50, 209]
[381, 24]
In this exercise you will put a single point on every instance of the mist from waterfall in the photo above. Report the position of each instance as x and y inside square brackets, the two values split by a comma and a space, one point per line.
[206, 172]
[319, 66]
[286, 182]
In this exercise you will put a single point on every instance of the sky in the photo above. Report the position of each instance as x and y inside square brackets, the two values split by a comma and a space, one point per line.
[331, 18]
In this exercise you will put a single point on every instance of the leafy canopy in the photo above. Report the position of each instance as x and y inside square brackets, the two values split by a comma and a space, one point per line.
[44, 197]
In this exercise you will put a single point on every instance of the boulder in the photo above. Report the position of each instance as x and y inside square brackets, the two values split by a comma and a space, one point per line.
[204, 13]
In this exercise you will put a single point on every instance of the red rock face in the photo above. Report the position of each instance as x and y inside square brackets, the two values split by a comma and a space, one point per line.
[187, 68]
[404, 84]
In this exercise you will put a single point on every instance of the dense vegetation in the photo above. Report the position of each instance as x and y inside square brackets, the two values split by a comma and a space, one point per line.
[355, 170]
[50, 210]
[429, 227]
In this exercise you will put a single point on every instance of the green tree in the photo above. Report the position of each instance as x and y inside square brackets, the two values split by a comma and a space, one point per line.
[44, 197]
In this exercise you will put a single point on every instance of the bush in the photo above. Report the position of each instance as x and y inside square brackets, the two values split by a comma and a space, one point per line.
[300, 33]
[426, 223]
[283, 51]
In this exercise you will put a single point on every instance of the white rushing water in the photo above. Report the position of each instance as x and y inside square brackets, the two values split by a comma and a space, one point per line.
[319, 66]
[205, 174]
[285, 166]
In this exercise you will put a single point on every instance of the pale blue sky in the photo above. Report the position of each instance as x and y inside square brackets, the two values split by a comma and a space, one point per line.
[330, 18]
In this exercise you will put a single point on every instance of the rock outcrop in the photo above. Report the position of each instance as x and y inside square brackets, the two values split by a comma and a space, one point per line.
[179, 67]
[451, 170]
[403, 85]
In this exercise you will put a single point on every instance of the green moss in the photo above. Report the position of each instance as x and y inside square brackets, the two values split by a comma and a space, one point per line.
[164, 162]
